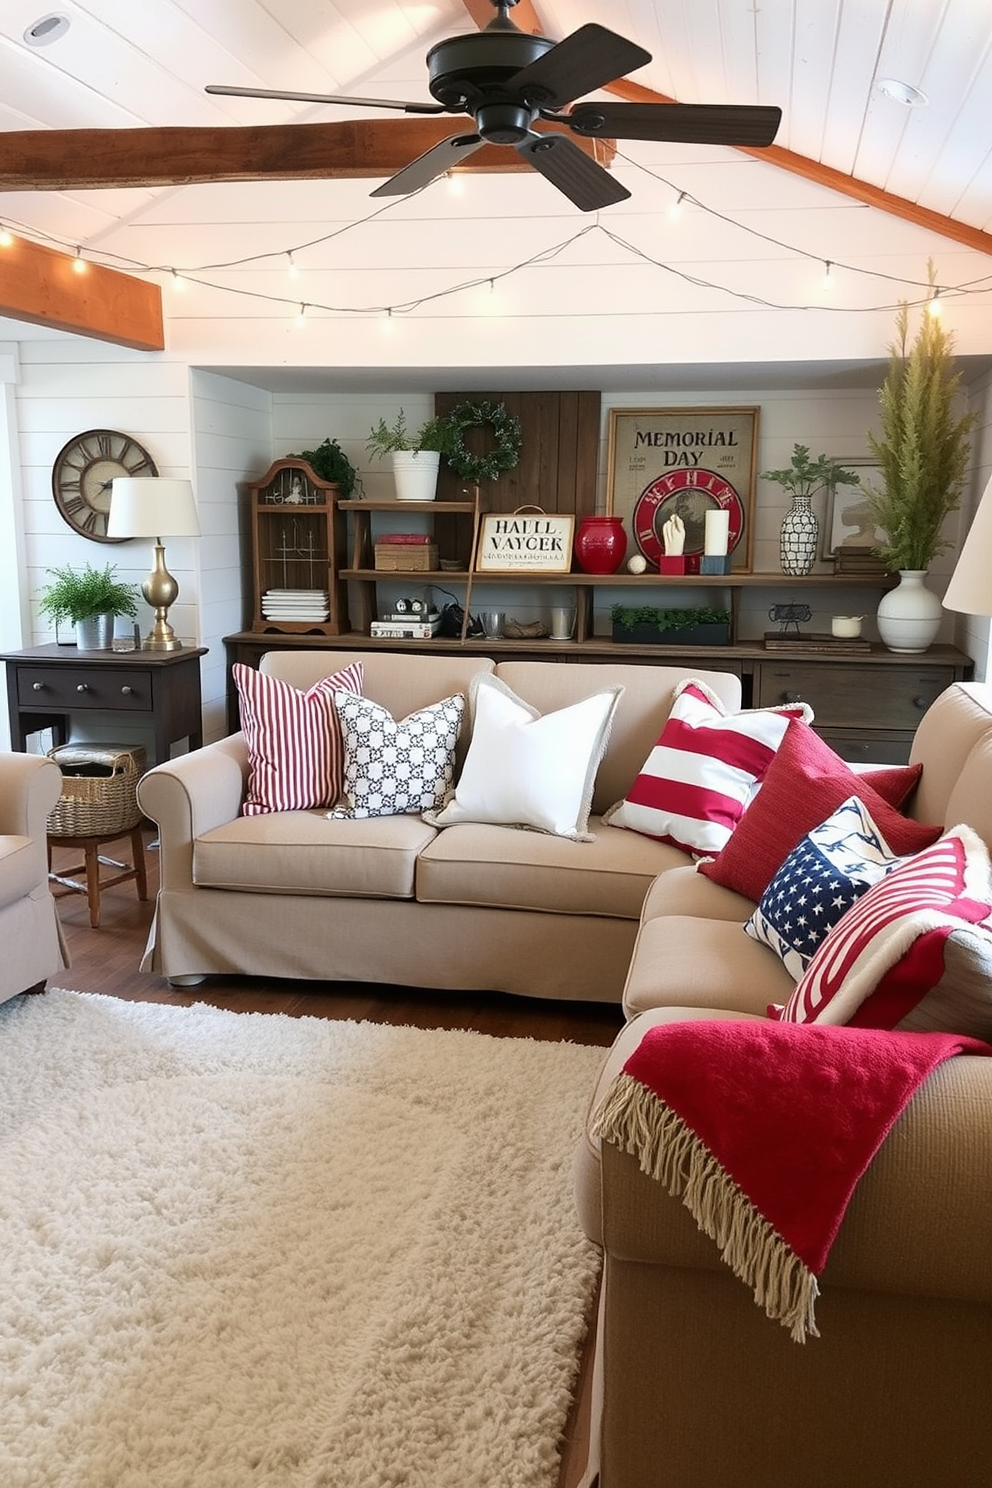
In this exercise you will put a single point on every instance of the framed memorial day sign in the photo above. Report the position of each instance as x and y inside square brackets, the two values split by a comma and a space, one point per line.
[683, 462]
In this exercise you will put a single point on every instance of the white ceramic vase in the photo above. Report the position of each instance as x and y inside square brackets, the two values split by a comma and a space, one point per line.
[798, 537]
[909, 616]
[415, 474]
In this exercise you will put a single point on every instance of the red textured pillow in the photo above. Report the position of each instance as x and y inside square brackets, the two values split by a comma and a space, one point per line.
[805, 783]
[293, 738]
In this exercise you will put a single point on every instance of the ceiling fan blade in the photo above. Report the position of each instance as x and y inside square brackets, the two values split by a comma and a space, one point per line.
[583, 62]
[291, 97]
[687, 123]
[433, 163]
[561, 162]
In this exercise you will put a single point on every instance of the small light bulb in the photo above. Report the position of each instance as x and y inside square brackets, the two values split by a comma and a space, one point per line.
[828, 278]
[178, 282]
[675, 210]
[936, 306]
[6, 238]
[293, 270]
[79, 263]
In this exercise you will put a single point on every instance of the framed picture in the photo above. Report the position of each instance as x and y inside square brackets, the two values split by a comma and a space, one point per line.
[848, 520]
[525, 542]
[683, 462]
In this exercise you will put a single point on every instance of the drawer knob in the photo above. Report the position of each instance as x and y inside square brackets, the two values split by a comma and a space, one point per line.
[126, 691]
[792, 697]
[37, 686]
[919, 702]
[82, 687]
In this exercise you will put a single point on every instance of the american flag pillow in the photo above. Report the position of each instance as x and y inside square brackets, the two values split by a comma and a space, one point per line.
[887, 952]
[819, 882]
[293, 738]
[695, 784]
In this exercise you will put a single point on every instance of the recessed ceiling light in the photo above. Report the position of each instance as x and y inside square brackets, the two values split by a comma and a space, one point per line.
[903, 93]
[47, 30]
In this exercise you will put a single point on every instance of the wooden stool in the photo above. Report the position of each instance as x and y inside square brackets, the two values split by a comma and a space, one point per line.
[90, 847]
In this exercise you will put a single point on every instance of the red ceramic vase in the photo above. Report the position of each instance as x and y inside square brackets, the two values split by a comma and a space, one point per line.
[600, 544]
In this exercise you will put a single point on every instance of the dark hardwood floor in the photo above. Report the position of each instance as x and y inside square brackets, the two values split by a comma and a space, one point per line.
[106, 961]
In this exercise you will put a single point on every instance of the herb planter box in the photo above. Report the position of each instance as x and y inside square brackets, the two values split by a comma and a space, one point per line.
[645, 634]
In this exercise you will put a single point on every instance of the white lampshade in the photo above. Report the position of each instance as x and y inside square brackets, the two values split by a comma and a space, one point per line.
[970, 589]
[152, 506]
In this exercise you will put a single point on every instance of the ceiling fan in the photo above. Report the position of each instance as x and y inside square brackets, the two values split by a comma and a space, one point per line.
[505, 80]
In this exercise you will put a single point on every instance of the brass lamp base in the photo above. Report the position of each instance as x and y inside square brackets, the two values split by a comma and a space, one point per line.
[161, 590]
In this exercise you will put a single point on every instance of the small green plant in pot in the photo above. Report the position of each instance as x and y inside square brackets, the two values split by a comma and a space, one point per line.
[415, 453]
[86, 595]
[800, 529]
[695, 626]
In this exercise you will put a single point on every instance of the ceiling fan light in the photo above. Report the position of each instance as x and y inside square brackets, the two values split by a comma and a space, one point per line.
[46, 30]
[903, 93]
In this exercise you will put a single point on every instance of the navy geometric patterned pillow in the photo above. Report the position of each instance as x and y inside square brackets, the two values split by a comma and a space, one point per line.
[391, 768]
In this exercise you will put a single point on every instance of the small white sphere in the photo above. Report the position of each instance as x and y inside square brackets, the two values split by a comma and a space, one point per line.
[637, 564]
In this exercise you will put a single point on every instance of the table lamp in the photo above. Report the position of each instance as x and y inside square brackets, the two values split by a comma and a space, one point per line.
[148, 506]
[970, 589]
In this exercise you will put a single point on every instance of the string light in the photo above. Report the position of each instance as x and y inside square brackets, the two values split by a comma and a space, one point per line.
[828, 278]
[301, 318]
[675, 210]
[935, 308]
[293, 269]
[178, 282]
[195, 274]
[6, 238]
[456, 186]
[79, 262]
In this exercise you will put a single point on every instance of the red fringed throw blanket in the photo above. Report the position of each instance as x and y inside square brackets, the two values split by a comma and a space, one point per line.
[763, 1130]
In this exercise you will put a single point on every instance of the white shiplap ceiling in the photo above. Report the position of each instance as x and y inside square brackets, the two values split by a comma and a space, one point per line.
[121, 64]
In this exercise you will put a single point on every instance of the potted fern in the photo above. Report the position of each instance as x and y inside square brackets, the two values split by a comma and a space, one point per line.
[90, 598]
[416, 454]
[922, 453]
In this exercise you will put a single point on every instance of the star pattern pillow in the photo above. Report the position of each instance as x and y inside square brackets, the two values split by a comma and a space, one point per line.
[391, 767]
[695, 784]
[818, 882]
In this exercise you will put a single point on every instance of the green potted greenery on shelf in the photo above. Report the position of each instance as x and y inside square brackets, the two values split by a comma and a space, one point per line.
[90, 598]
[800, 529]
[330, 463]
[647, 624]
[415, 453]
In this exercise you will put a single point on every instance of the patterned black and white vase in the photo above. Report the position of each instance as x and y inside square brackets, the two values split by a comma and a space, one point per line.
[798, 537]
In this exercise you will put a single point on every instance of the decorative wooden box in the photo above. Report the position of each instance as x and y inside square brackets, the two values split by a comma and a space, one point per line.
[406, 557]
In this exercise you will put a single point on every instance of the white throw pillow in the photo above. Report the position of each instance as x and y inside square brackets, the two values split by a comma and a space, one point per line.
[527, 770]
[394, 767]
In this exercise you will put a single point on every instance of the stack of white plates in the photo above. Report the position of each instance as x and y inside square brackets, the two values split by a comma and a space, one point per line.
[295, 604]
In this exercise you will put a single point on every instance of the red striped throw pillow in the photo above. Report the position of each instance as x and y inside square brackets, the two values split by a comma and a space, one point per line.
[881, 961]
[295, 750]
[699, 777]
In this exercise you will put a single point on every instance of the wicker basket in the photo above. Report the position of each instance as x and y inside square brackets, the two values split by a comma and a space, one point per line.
[99, 789]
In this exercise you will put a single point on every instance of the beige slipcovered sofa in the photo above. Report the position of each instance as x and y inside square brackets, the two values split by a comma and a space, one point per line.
[393, 899]
[695, 1387]
[33, 947]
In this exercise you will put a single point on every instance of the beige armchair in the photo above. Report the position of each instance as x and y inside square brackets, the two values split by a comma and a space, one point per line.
[30, 933]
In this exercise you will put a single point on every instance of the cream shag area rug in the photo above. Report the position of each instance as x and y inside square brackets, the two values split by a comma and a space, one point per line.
[245, 1249]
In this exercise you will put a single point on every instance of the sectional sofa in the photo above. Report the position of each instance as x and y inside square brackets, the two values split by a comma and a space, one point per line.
[30, 934]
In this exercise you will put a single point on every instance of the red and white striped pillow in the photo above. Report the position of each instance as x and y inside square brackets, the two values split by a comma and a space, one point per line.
[295, 749]
[702, 772]
[886, 955]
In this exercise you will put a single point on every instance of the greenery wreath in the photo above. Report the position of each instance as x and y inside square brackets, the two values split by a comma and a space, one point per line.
[504, 455]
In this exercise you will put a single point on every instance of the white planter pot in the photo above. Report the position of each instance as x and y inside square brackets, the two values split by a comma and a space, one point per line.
[909, 616]
[415, 474]
[95, 633]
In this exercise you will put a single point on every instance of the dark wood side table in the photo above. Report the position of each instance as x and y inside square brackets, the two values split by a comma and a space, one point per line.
[47, 684]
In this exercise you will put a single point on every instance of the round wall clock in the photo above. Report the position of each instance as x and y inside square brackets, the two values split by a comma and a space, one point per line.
[689, 494]
[82, 475]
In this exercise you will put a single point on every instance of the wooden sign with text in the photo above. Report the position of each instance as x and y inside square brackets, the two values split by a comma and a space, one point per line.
[525, 542]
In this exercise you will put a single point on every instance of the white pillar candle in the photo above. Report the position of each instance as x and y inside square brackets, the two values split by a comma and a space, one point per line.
[717, 533]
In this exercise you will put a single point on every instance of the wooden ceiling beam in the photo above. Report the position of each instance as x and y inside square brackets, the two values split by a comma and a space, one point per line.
[42, 286]
[87, 159]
